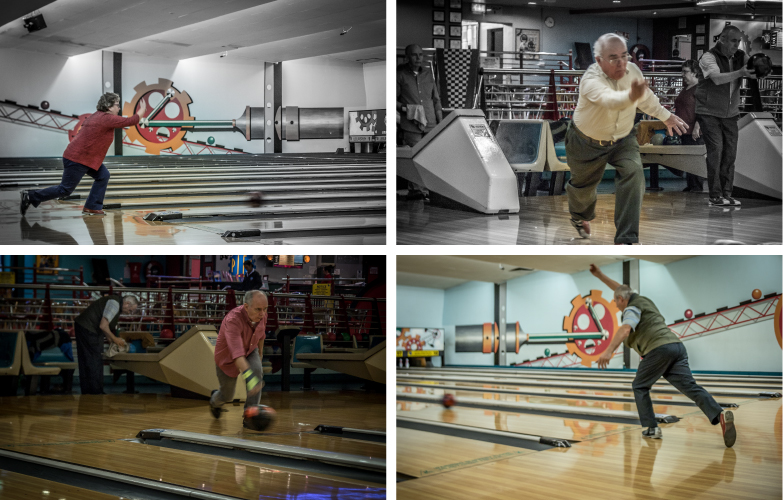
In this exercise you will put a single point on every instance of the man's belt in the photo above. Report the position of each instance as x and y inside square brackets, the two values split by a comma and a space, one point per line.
[596, 141]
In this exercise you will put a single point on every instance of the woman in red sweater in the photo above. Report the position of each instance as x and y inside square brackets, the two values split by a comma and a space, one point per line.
[85, 156]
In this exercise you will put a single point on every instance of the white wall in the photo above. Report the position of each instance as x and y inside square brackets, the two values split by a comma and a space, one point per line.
[220, 88]
[419, 307]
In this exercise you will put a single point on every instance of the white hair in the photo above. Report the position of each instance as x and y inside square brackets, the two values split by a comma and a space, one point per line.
[248, 299]
[603, 41]
[623, 291]
[132, 299]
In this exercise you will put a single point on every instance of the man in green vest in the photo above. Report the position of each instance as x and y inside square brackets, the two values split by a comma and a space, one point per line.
[644, 330]
[97, 321]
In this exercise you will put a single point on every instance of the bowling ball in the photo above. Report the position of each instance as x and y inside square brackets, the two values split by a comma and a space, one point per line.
[256, 198]
[760, 64]
[449, 401]
[657, 139]
[688, 314]
[756, 294]
[331, 336]
[546, 352]
[211, 140]
[44, 104]
[166, 333]
[259, 417]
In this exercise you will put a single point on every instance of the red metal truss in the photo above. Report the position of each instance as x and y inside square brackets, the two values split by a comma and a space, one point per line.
[38, 118]
[726, 319]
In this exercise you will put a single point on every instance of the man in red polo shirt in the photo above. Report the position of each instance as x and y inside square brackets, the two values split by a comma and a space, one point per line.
[85, 155]
[238, 351]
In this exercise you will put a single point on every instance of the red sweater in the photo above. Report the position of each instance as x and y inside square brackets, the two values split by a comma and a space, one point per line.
[94, 138]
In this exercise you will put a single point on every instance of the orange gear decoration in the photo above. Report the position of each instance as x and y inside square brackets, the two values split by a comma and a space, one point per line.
[572, 324]
[778, 322]
[156, 139]
[75, 130]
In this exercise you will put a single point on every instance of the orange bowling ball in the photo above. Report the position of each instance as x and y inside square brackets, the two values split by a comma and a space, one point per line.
[449, 401]
[259, 417]
[756, 294]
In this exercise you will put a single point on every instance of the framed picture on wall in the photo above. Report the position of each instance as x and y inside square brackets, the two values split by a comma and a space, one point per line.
[439, 43]
[455, 31]
[699, 40]
[699, 29]
[438, 16]
[528, 41]
[699, 53]
[455, 17]
[455, 4]
[439, 30]
[438, 3]
[455, 44]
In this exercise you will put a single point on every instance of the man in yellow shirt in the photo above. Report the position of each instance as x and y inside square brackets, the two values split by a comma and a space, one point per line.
[603, 132]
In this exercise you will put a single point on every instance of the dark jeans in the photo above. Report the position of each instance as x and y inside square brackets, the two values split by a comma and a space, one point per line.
[669, 361]
[720, 137]
[89, 351]
[72, 174]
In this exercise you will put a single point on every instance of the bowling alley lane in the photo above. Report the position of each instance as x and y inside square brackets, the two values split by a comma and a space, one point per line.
[690, 462]
[227, 476]
[563, 427]
[22, 486]
[446, 453]
[57, 419]
[476, 389]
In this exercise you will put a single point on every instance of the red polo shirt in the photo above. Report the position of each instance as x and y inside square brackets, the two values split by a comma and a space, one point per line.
[237, 337]
[91, 144]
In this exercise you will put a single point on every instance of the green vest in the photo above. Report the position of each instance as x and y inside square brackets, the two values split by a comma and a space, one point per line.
[651, 332]
[91, 317]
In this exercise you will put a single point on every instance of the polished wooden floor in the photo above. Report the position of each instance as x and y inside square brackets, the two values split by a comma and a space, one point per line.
[668, 218]
[21, 486]
[607, 460]
[308, 199]
[94, 431]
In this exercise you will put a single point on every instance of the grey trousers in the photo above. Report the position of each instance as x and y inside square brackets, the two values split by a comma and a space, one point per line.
[228, 384]
[587, 162]
[670, 361]
[720, 136]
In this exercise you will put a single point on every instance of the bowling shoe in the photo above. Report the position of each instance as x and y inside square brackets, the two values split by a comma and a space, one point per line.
[732, 201]
[582, 227]
[653, 433]
[88, 211]
[727, 426]
[25, 202]
[215, 410]
[718, 202]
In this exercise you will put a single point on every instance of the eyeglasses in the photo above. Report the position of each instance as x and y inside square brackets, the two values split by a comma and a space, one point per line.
[616, 60]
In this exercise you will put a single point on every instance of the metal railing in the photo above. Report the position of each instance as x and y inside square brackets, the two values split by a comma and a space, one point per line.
[554, 94]
[180, 309]
[53, 275]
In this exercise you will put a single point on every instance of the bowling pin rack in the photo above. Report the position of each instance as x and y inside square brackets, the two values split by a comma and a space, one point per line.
[180, 309]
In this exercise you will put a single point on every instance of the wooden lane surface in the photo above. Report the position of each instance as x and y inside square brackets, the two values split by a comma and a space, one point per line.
[571, 428]
[91, 431]
[489, 397]
[521, 382]
[70, 419]
[22, 486]
[555, 392]
[226, 476]
[440, 453]
[704, 381]
[690, 462]
[674, 218]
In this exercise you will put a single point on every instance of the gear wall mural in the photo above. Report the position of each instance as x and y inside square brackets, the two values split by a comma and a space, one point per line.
[579, 321]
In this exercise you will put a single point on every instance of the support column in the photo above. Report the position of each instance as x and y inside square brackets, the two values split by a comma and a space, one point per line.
[112, 82]
[500, 319]
[273, 99]
[630, 278]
